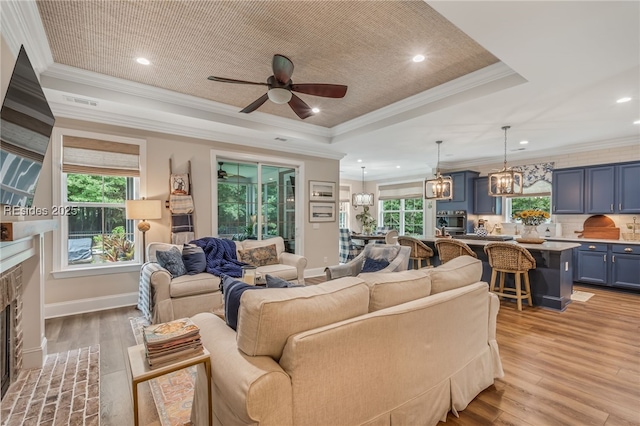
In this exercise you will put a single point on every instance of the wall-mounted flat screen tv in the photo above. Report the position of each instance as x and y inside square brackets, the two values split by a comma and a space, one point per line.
[27, 123]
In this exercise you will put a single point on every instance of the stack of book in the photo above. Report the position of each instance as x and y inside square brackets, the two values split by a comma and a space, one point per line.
[171, 342]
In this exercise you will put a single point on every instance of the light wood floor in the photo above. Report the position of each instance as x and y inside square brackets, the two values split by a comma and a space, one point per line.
[578, 367]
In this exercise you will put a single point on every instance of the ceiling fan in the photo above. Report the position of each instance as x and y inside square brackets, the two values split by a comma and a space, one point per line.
[280, 88]
[221, 173]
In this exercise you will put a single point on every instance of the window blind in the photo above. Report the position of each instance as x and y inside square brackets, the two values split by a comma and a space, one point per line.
[401, 190]
[98, 157]
[345, 193]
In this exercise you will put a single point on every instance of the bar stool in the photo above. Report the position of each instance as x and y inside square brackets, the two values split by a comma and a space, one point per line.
[419, 251]
[449, 249]
[508, 258]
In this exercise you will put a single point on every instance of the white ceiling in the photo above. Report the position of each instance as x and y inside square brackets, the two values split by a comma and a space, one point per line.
[563, 66]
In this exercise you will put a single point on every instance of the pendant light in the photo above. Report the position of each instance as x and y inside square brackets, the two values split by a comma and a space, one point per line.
[506, 182]
[363, 198]
[440, 187]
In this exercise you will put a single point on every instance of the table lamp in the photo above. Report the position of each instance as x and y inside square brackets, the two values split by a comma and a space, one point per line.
[142, 210]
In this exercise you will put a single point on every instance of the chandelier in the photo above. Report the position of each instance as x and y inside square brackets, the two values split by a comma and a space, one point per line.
[506, 182]
[440, 187]
[363, 198]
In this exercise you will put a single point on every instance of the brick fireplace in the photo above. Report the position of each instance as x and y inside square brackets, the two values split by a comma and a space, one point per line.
[11, 326]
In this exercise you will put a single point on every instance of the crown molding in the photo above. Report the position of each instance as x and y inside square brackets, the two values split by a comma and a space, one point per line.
[21, 25]
[529, 155]
[202, 129]
[481, 77]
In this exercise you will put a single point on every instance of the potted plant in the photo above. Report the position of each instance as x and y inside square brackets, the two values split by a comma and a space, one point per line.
[531, 219]
[366, 220]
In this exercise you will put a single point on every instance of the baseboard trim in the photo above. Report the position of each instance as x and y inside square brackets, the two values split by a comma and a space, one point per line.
[34, 357]
[93, 304]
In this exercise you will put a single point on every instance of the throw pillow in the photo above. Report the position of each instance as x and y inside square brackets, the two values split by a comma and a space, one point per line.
[277, 282]
[374, 265]
[232, 291]
[259, 256]
[171, 260]
[194, 259]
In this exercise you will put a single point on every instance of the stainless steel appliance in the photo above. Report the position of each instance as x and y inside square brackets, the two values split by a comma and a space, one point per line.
[454, 221]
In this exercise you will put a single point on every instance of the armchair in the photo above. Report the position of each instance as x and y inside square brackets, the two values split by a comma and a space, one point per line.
[396, 255]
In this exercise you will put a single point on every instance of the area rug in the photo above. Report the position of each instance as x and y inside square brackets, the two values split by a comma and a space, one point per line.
[581, 296]
[65, 391]
[173, 392]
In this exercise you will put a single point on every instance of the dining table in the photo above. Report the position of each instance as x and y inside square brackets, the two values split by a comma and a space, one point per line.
[367, 238]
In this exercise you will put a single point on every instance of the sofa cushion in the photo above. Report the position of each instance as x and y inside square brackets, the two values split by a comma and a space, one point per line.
[393, 288]
[374, 265]
[268, 318]
[277, 282]
[233, 291]
[189, 285]
[259, 256]
[171, 260]
[194, 259]
[286, 272]
[457, 272]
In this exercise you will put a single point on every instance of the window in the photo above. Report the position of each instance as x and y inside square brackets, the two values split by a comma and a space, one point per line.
[518, 204]
[256, 201]
[99, 173]
[405, 215]
[343, 214]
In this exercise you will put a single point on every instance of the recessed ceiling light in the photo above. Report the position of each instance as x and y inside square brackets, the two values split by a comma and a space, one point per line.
[524, 142]
[315, 110]
[623, 100]
[636, 122]
[143, 61]
[359, 160]
[397, 167]
[418, 58]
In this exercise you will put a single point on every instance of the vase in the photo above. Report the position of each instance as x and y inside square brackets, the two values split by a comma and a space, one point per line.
[530, 232]
[367, 230]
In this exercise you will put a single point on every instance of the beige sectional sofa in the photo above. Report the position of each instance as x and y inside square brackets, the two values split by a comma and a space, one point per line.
[379, 349]
[187, 295]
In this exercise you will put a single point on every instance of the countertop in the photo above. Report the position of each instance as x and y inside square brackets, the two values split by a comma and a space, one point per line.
[546, 246]
[593, 240]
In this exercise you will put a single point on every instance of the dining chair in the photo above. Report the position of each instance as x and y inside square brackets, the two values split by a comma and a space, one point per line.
[348, 250]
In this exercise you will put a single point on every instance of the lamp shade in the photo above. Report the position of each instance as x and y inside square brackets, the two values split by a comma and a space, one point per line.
[144, 209]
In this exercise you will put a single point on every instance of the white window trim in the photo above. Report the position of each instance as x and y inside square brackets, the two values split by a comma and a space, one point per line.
[272, 160]
[60, 267]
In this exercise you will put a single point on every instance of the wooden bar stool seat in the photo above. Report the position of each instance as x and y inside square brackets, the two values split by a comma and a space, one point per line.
[449, 249]
[419, 251]
[507, 258]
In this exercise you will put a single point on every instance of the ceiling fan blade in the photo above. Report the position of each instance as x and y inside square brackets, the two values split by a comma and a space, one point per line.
[231, 80]
[326, 90]
[282, 68]
[298, 106]
[255, 104]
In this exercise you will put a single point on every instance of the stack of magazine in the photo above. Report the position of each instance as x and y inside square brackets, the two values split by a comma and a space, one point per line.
[171, 342]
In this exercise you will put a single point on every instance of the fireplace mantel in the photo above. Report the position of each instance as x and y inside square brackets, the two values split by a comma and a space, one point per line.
[27, 249]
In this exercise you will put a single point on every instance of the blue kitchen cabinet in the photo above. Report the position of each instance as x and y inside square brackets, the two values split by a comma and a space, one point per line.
[592, 264]
[600, 194]
[613, 265]
[567, 191]
[625, 266]
[628, 188]
[483, 203]
[612, 189]
[462, 192]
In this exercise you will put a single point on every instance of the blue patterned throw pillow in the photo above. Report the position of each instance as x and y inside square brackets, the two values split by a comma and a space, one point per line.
[194, 259]
[171, 260]
[374, 265]
[277, 282]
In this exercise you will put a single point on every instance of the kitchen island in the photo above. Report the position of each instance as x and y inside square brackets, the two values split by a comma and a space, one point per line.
[551, 281]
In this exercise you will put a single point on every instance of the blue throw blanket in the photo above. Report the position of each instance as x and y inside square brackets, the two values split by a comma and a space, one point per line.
[221, 256]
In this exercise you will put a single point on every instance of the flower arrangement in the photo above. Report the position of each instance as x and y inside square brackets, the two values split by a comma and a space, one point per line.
[531, 217]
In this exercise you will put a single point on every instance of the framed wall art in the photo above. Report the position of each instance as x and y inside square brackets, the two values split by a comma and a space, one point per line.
[322, 191]
[322, 212]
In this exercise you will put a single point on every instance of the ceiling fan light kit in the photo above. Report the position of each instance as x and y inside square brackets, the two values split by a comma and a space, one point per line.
[440, 187]
[505, 182]
[280, 88]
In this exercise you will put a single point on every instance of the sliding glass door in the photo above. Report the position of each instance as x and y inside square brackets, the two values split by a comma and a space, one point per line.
[256, 201]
